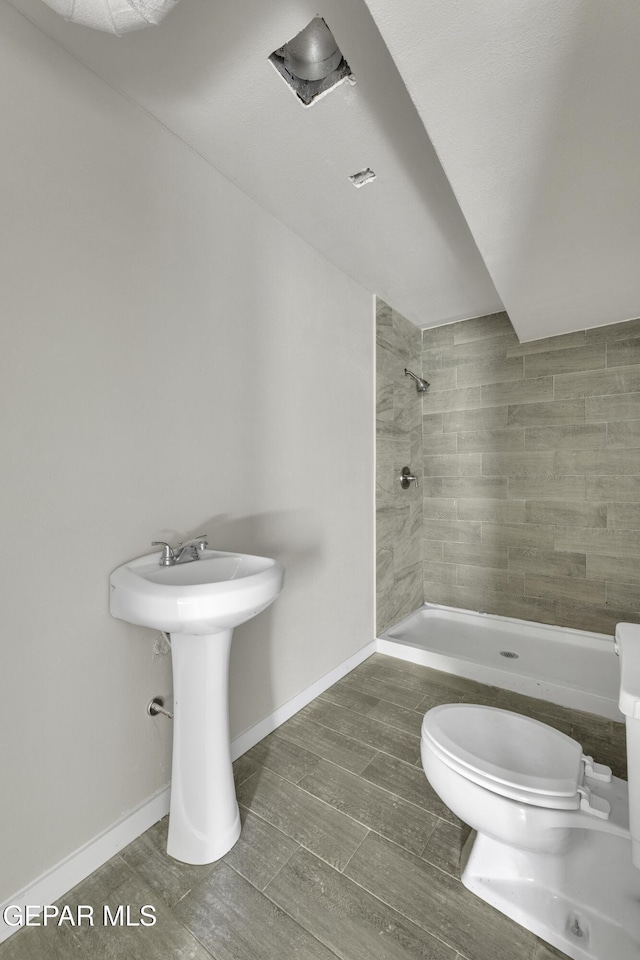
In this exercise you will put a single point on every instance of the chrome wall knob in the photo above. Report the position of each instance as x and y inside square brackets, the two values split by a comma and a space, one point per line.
[406, 478]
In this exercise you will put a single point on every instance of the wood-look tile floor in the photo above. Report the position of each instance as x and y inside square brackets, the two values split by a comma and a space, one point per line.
[345, 849]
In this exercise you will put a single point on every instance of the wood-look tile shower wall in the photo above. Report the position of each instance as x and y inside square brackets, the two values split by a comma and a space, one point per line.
[399, 582]
[531, 463]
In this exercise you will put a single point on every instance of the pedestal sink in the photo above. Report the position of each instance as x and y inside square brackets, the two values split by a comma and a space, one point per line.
[198, 603]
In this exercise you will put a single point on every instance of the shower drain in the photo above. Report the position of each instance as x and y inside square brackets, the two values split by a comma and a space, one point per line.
[509, 654]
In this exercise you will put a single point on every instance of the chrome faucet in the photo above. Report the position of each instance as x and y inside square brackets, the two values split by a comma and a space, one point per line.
[183, 553]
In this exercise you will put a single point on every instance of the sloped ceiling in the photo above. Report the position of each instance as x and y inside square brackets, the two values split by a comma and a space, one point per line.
[531, 197]
[204, 73]
[532, 107]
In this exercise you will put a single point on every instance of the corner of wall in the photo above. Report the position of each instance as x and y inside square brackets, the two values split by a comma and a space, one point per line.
[399, 588]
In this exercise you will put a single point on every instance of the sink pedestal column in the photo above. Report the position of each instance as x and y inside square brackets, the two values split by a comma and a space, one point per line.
[204, 821]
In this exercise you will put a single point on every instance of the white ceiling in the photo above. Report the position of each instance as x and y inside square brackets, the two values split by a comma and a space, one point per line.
[532, 108]
[204, 73]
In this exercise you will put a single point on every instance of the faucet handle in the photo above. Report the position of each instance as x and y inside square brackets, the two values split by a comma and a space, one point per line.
[200, 542]
[406, 477]
[168, 556]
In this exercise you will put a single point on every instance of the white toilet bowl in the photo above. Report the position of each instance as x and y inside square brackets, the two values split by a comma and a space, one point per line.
[513, 778]
[552, 847]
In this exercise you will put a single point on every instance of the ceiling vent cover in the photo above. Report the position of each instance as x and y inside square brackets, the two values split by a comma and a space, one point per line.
[363, 176]
[312, 62]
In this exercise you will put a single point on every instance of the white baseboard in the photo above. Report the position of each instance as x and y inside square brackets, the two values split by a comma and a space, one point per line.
[258, 731]
[60, 879]
[76, 867]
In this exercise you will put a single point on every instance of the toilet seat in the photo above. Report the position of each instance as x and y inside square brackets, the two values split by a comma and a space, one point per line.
[507, 753]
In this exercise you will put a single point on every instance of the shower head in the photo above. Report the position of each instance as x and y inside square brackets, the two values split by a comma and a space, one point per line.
[421, 385]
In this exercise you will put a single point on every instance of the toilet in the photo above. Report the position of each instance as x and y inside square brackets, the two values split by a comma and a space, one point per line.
[556, 841]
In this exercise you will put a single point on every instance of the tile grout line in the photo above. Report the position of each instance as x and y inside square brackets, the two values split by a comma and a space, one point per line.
[157, 893]
[369, 893]
[396, 680]
[314, 797]
[388, 723]
[380, 699]
[429, 839]
[293, 853]
[363, 742]
[369, 831]
[397, 796]
[309, 750]
[259, 891]
[297, 922]
[395, 909]
[169, 907]
[193, 935]
[239, 783]
[355, 739]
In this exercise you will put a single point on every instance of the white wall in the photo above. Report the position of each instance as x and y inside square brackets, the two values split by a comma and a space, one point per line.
[173, 360]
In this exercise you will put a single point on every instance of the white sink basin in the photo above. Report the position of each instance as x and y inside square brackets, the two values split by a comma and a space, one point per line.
[215, 593]
[198, 603]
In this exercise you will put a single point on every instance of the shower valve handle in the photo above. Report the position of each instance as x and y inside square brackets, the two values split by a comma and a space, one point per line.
[406, 478]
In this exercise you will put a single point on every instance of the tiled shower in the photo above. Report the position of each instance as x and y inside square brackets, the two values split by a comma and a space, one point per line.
[529, 460]
[399, 518]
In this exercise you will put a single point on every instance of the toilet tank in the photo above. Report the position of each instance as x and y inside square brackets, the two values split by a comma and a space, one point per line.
[628, 649]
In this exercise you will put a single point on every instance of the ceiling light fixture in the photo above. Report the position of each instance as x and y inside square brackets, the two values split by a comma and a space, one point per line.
[113, 16]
